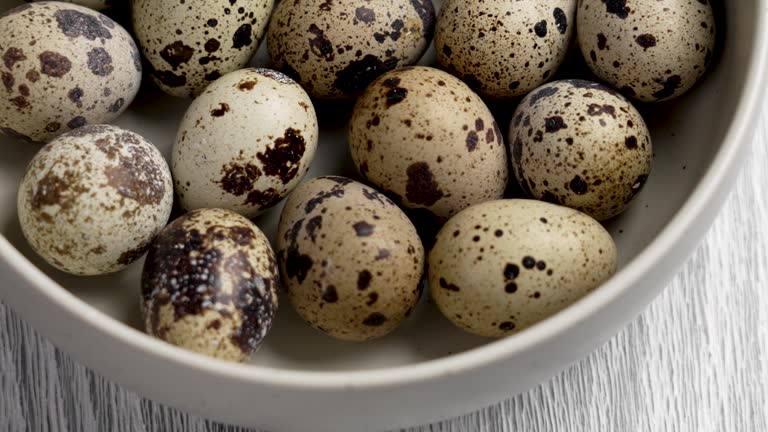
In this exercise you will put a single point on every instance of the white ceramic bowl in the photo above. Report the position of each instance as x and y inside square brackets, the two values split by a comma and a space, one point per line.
[427, 369]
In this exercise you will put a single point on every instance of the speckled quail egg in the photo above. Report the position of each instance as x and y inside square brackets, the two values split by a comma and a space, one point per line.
[351, 260]
[504, 49]
[192, 43]
[245, 143]
[502, 266]
[93, 4]
[93, 199]
[650, 50]
[582, 145]
[210, 285]
[63, 66]
[335, 48]
[428, 141]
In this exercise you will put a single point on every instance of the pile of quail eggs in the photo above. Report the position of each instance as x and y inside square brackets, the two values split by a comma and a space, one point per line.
[352, 257]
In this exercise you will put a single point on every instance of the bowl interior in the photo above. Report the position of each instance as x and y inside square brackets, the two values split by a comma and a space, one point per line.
[687, 133]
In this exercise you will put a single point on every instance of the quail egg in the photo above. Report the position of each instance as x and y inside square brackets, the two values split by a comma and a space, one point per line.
[93, 199]
[650, 50]
[210, 285]
[63, 66]
[428, 141]
[582, 145]
[336, 48]
[244, 143]
[194, 42]
[502, 266]
[504, 49]
[351, 260]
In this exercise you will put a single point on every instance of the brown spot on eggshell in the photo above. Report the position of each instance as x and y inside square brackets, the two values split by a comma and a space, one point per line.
[54, 64]
[313, 225]
[422, 189]
[117, 105]
[246, 85]
[55, 190]
[472, 140]
[364, 280]
[263, 198]
[75, 95]
[33, 75]
[77, 122]
[375, 319]
[13, 55]
[283, 159]
[646, 40]
[448, 286]
[330, 295]
[242, 37]
[100, 62]
[364, 229]
[74, 23]
[135, 175]
[219, 111]
[177, 53]
[20, 102]
[319, 44]
[365, 15]
[238, 179]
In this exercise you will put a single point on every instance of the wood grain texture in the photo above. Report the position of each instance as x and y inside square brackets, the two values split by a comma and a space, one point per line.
[696, 360]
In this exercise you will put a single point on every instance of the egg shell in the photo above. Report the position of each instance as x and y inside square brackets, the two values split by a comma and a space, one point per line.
[651, 51]
[210, 285]
[351, 260]
[93, 199]
[335, 48]
[93, 4]
[502, 266]
[194, 42]
[504, 49]
[245, 143]
[63, 66]
[428, 141]
[582, 145]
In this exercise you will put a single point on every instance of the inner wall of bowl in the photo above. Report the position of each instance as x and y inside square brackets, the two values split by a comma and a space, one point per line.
[687, 133]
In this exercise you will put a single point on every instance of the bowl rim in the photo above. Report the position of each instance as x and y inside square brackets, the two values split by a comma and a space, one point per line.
[726, 158]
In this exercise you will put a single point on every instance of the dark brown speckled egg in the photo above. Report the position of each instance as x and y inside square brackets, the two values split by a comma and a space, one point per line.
[210, 285]
[504, 49]
[63, 66]
[351, 260]
[336, 48]
[582, 145]
[194, 42]
[502, 266]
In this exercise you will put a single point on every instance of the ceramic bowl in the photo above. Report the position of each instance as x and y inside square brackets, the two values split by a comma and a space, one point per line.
[427, 369]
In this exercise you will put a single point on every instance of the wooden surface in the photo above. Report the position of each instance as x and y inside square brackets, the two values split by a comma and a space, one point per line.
[696, 360]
